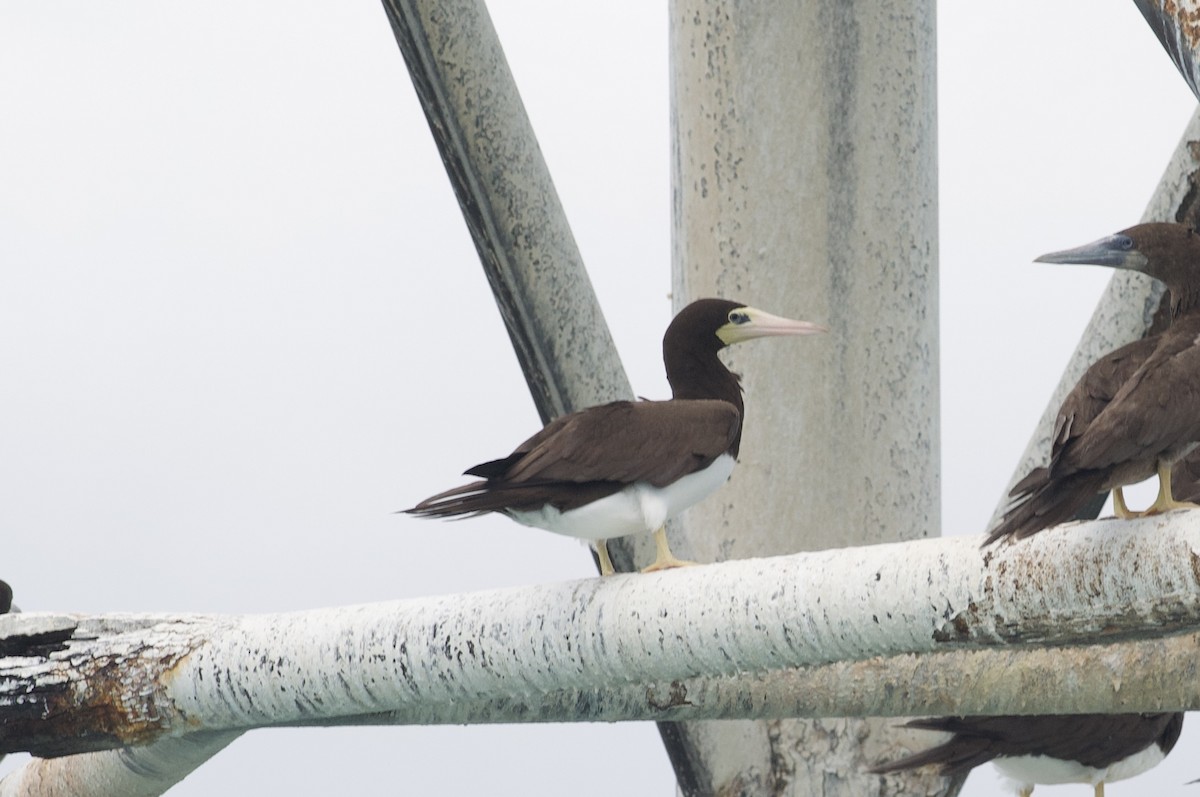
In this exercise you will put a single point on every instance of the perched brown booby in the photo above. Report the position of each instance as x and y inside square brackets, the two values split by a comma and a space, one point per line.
[1046, 750]
[1136, 411]
[628, 466]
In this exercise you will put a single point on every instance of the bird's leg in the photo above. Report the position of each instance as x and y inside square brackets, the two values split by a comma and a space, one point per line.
[664, 560]
[606, 568]
[1120, 509]
[1100, 789]
[1026, 792]
[1165, 502]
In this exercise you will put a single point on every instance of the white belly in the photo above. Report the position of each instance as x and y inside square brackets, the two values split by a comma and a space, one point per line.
[638, 508]
[1031, 770]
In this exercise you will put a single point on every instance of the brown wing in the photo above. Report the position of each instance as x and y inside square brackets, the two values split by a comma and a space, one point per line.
[627, 441]
[1096, 390]
[1095, 740]
[589, 454]
[1185, 478]
[1092, 393]
[1158, 408]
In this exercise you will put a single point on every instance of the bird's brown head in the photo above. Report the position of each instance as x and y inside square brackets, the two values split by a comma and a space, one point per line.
[705, 327]
[1167, 251]
[716, 323]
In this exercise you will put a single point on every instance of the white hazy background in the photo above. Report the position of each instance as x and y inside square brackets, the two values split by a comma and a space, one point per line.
[242, 323]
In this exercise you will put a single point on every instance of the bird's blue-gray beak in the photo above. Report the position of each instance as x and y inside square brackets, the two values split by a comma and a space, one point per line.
[1115, 251]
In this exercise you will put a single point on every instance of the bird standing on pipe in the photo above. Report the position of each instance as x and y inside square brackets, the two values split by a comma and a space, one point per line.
[628, 466]
[1136, 411]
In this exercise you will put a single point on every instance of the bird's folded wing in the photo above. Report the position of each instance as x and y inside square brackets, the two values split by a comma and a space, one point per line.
[1097, 388]
[1090, 396]
[1157, 408]
[1066, 737]
[627, 441]
[1098, 740]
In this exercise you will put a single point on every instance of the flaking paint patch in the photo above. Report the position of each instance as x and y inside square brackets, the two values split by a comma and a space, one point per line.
[1194, 559]
[100, 703]
[677, 696]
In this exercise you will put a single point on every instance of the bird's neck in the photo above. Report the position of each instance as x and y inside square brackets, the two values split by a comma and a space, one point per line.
[701, 375]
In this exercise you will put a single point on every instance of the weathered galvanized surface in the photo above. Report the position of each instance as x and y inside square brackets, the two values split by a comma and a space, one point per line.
[128, 772]
[805, 179]
[1176, 23]
[695, 643]
[1142, 675]
[509, 203]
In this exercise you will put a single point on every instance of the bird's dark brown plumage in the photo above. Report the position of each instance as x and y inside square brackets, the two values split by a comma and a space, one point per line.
[1133, 408]
[1185, 478]
[593, 453]
[1094, 740]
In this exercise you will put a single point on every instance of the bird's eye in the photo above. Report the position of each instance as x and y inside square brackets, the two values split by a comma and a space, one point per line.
[1122, 242]
[739, 317]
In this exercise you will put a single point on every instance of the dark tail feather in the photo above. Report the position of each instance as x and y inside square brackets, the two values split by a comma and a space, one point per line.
[465, 501]
[1038, 477]
[496, 468]
[1055, 501]
[957, 755]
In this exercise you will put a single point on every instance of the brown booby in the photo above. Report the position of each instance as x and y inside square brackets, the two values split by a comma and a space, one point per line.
[1046, 750]
[6, 606]
[1136, 411]
[628, 466]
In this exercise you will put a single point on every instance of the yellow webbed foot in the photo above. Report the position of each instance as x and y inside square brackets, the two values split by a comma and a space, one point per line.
[664, 559]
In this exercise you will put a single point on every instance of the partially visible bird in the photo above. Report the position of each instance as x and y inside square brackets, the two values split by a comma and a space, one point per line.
[1136, 411]
[628, 466]
[1045, 750]
[6, 606]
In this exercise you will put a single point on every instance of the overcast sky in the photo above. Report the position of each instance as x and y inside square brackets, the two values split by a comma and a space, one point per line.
[239, 307]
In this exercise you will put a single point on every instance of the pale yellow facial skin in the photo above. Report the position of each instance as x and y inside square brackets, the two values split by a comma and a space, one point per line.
[747, 323]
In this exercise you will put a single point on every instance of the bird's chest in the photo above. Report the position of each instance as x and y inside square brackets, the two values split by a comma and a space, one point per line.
[637, 508]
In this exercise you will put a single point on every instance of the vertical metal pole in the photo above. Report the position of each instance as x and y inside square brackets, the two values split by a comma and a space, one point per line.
[509, 203]
[512, 211]
[805, 183]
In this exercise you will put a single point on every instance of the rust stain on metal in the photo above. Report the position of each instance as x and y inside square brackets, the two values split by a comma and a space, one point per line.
[83, 702]
[1187, 21]
[959, 626]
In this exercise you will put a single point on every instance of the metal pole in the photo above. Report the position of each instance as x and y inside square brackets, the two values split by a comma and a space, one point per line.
[509, 203]
[1174, 23]
[805, 181]
[512, 210]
